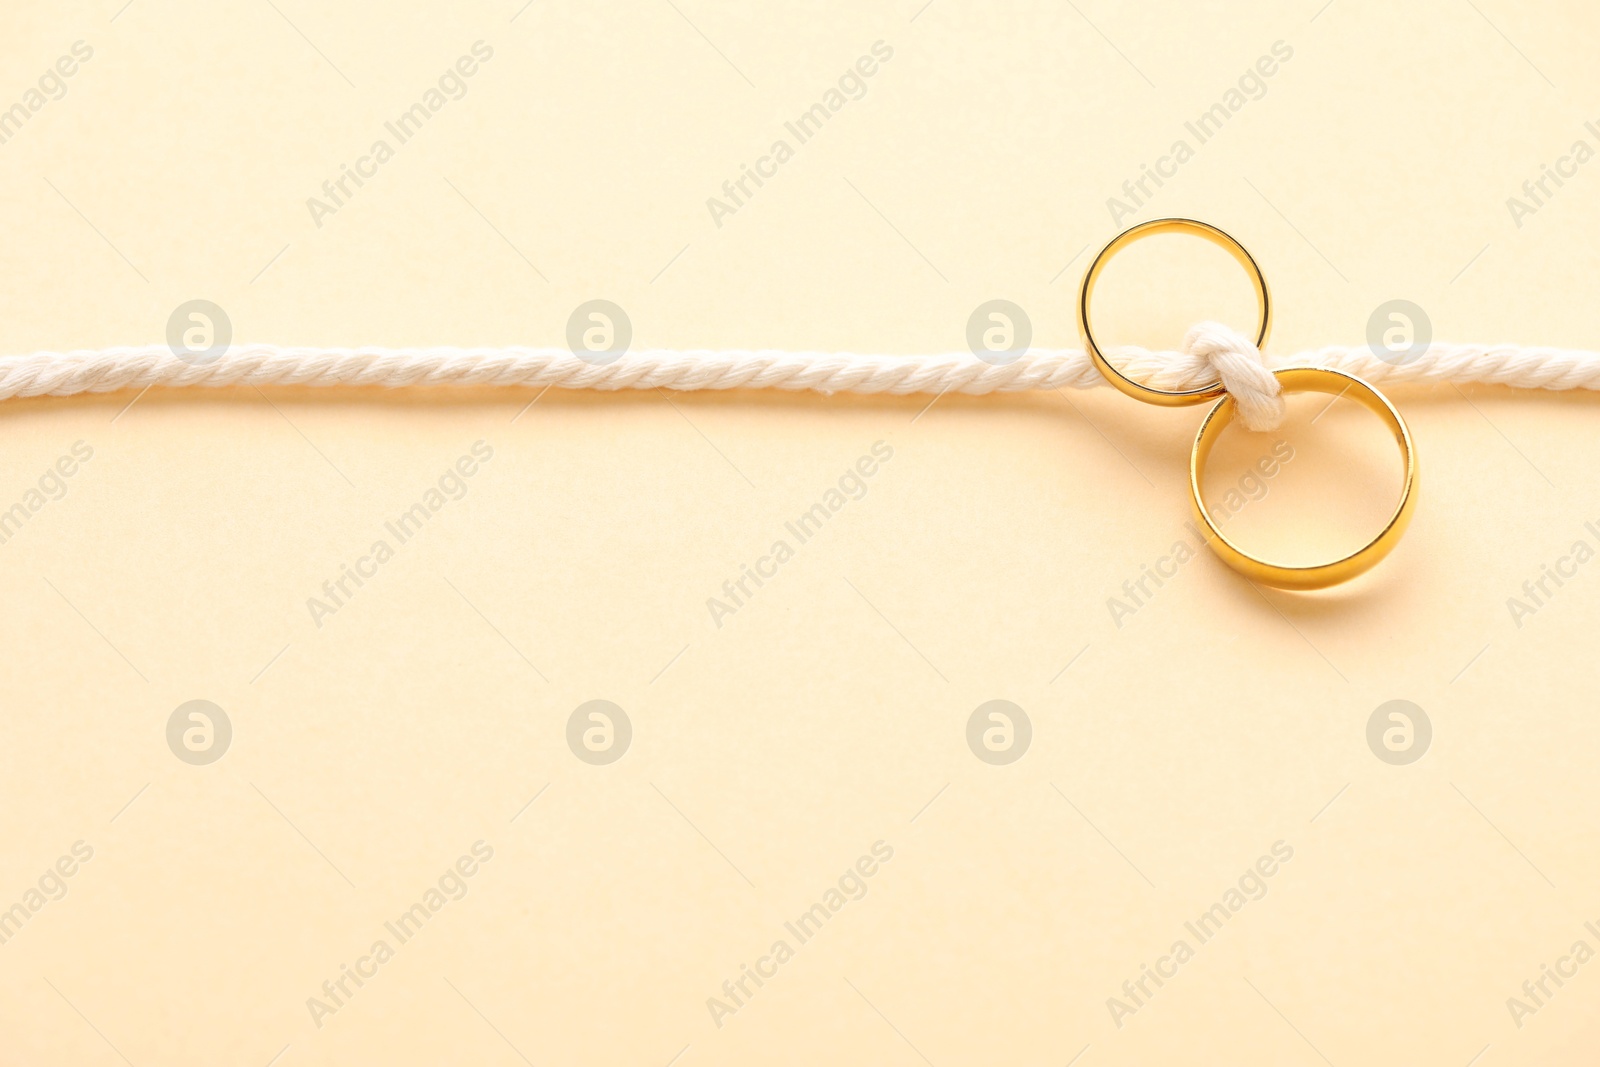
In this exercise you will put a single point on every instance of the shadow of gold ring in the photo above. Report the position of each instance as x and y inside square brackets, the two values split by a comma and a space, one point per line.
[1167, 397]
[1322, 575]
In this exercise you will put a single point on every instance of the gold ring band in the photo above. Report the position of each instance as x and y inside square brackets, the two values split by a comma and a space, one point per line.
[1319, 576]
[1167, 397]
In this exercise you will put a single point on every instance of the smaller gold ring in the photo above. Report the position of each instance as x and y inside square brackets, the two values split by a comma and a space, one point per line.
[1322, 575]
[1167, 397]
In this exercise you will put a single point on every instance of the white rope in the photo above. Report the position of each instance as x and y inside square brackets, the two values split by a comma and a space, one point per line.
[1210, 351]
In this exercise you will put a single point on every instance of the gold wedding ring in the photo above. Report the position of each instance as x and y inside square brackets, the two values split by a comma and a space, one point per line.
[1292, 380]
[1321, 575]
[1137, 390]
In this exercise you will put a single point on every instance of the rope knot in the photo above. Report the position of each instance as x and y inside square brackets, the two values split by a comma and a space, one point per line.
[1243, 370]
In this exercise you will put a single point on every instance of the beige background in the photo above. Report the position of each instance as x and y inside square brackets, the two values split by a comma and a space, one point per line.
[830, 713]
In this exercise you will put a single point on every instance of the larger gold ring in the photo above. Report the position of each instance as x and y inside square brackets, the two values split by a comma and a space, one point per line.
[1167, 397]
[1322, 575]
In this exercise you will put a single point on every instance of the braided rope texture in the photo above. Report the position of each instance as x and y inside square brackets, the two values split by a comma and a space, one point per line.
[69, 373]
